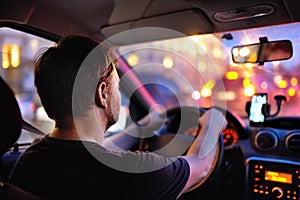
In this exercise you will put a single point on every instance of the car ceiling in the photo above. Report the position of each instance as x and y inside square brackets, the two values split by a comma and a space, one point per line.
[104, 18]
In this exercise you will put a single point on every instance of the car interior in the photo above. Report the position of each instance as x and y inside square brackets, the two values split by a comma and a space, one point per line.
[178, 58]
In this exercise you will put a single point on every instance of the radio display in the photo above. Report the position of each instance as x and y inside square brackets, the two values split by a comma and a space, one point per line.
[278, 177]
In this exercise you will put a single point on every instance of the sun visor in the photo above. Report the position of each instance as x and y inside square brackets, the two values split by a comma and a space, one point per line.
[189, 22]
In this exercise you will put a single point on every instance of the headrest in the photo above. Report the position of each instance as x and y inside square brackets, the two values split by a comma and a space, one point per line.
[10, 118]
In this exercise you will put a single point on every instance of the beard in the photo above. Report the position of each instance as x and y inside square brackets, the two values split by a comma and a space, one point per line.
[112, 115]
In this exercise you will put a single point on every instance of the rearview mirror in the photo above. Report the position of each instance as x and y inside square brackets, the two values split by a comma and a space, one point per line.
[262, 52]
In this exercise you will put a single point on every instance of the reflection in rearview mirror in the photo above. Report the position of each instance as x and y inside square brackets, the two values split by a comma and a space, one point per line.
[262, 52]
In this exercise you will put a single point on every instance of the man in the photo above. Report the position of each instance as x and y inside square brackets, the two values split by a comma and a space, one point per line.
[78, 86]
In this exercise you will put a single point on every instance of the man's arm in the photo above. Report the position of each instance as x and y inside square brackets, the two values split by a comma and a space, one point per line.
[201, 154]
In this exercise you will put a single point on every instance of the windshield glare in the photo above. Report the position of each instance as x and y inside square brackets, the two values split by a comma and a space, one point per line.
[199, 70]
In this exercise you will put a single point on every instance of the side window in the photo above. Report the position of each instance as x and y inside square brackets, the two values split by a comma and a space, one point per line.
[18, 50]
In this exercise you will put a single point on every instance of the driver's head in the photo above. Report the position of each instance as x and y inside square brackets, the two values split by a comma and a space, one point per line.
[80, 60]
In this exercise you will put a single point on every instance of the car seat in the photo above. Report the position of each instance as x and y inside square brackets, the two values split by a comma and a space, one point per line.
[10, 130]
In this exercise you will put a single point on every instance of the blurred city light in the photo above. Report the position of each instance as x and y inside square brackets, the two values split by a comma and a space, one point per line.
[15, 55]
[294, 81]
[133, 60]
[10, 55]
[249, 90]
[206, 91]
[232, 75]
[291, 92]
[168, 62]
[264, 85]
[282, 84]
[244, 51]
[196, 95]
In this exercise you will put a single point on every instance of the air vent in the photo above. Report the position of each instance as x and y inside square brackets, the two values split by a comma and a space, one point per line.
[265, 140]
[292, 141]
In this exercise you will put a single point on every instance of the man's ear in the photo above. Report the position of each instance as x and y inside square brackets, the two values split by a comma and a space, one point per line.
[101, 95]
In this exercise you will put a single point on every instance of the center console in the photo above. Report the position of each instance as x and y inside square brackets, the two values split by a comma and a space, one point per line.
[272, 179]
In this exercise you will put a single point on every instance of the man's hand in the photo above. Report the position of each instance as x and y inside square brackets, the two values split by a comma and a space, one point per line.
[212, 123]
[202, 152]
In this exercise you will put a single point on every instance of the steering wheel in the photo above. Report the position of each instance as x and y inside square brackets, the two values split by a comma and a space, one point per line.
[177, 134]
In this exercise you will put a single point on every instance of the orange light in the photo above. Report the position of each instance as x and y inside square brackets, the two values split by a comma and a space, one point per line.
[278, 177]
[5, 57]
[10, 55]
[15, 55]
[232, 75]
[294, 81]
[282, 84]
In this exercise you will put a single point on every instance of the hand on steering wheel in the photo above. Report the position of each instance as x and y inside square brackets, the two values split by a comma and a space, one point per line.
[212, 123]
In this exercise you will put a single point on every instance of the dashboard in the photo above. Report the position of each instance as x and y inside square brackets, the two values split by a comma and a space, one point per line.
[272, 161]
[259, 162]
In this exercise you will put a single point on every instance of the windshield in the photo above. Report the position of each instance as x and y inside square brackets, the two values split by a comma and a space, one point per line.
[200, 69]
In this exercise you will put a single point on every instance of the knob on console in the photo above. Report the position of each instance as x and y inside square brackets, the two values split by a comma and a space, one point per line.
[277, 192]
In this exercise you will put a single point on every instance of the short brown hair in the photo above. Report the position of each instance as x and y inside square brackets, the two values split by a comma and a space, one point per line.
[57, 70]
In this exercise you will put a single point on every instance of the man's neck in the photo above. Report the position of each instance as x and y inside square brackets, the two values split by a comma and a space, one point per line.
[86, 128]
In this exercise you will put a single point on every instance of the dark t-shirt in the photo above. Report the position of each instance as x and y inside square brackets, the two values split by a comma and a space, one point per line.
[61, 169]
